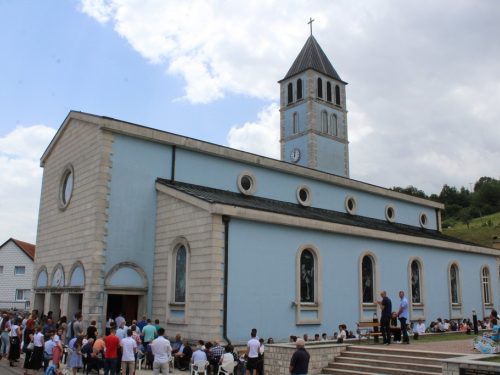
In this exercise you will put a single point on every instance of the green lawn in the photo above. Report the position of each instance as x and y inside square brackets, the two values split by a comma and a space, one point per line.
[477, 233]
[435, 337]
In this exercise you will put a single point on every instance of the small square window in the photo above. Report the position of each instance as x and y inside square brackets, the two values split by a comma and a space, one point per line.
[23, 294]
[1, 270]
[19, 270]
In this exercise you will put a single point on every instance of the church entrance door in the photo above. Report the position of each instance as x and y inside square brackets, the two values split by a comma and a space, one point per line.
[128, 304]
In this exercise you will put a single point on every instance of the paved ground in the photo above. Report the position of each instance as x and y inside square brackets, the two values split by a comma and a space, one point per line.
[458, 346]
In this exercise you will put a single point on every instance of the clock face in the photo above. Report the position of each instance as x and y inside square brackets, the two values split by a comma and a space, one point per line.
[295, 155]
[57, 277]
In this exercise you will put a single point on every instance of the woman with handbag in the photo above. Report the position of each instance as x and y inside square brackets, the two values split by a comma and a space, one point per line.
[15, 342]
[28, 345]
[36, 362]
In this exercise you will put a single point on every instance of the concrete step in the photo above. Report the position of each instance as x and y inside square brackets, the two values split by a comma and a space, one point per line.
[406, 351]
[397, 366]
[344, 368]
[390, 357]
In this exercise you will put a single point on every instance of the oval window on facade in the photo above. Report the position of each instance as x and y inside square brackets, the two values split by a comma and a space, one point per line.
[66, 186]
[351, 204]
[424, 220]
[304, 195]
[390, 213]
[247, 183]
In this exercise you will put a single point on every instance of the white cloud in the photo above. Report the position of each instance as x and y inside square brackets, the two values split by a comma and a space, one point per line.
[424, 77]
[261, 137]
[20, 180]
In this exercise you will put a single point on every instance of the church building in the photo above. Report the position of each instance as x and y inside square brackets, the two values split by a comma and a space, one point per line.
[214, 241]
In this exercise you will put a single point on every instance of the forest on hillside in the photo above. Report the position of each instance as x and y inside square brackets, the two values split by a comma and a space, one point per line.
[462, 204]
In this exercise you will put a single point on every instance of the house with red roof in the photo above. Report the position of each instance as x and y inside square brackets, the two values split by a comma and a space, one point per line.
[17, 260]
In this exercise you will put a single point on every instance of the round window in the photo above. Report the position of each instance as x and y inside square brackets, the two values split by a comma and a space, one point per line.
[390, 213]
[304, 195]
[66, 186]
[247, 183]
[424, 220]
[351, 204]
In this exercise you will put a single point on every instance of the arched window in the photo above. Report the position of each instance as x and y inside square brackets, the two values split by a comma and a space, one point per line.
[290, 93]
[337, 94]
[307, 277]
[333, 125]
[324, 122]
[416, 295]
[367, 279]
[295, 123]
[320, 88]
[329, 91]
[180, 274]
[486, 286]
[299, 89]
[454, 275]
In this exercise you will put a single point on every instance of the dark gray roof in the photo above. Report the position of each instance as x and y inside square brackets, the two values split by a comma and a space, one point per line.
[286, 208]
[312, 57]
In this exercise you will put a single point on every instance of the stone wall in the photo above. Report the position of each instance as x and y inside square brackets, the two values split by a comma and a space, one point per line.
[277, 358]
[473, 364]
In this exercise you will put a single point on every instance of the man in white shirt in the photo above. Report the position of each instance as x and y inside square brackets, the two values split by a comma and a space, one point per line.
[420, 327]
[253, 347]
[129, 349]
[121, 333]
[161, 350]
[119, 320]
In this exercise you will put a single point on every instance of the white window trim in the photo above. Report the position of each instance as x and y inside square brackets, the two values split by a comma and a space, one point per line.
[172, 305]
[318, 290]
[24, 296]
[368, 309]
[354, 211]
[293, 129]
[336, 125]
[309, 199]
[395, 213]
[19, 267]
[455, 306]
[68, 168]
[487, 307]
[422, 304]
[424, 223]
[253, 183]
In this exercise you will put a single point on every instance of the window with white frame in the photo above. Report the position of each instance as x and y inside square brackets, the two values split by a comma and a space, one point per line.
[333, 125]
[299, 89]
[324, 121]
[23, 294]
[295, 123]
[19, 270]
[454, 284]
[367, 277]
[485, 281]
[290, 93]
[309, 299]
[180, 275]
[416, 294]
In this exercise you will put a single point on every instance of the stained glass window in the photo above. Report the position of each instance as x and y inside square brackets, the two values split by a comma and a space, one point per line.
[367, 278]
[486, 285]
[307, 276]
[415, 282]
[180, 275]
[454, 284]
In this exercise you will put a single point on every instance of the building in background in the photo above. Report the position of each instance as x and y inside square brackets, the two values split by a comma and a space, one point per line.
[16, 273]
[214, 241]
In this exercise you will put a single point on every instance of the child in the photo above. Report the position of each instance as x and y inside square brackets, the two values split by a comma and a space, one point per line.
[76, 361]
[52, 370]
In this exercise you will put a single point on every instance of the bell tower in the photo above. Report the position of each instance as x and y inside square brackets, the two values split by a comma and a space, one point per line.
[313, 115]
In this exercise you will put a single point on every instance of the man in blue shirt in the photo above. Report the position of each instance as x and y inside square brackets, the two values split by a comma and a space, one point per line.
[385, 320]
[299, 364]
[404, 315]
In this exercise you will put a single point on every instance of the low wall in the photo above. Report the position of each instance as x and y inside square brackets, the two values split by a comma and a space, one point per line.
[470, 365]
[277, 356]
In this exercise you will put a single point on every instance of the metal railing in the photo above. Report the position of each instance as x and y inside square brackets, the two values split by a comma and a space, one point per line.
[14, 305]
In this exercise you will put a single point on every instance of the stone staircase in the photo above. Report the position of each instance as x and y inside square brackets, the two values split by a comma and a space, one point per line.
[380, 360]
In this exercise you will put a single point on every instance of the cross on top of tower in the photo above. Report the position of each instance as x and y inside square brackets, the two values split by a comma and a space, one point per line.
[310, 23]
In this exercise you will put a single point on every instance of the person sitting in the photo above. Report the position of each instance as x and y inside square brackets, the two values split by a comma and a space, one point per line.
[198, 355]
[316, 337]
[439, 326]
[323, 337]
[176, 344]
[453, 326]
[395, 330]
[183, 358]
[335, 336]
[342, 334]
[227, 357]
[488, 343]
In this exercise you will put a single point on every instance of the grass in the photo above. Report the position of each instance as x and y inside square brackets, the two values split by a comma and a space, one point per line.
[476, 233]
[491, 359]
[433, 337]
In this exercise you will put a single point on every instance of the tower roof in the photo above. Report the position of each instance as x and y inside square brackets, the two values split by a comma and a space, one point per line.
[312, 57]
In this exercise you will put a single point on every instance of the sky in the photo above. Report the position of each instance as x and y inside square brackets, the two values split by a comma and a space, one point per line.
[423, 94]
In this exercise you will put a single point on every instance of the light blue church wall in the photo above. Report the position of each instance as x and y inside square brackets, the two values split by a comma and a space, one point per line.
[201, 169]
[299, 143]
[262, 278]
[331, 156]
[132, 202]
[330, 111]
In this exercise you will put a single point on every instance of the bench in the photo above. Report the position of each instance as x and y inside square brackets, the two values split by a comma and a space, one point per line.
[371, 329]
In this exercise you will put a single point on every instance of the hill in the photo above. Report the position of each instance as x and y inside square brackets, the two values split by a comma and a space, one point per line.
[481, 231]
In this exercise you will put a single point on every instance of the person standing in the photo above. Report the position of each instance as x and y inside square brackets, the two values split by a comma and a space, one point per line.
[385, 319]
[110, 355]
[252, 354]
[129, 350]
[404, 315]
[149, 331]
[300, 359]
[161, 350]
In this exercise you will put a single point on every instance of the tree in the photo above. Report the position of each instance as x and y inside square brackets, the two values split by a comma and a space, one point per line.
[465, 216]
[411, 190]
[449, 195]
